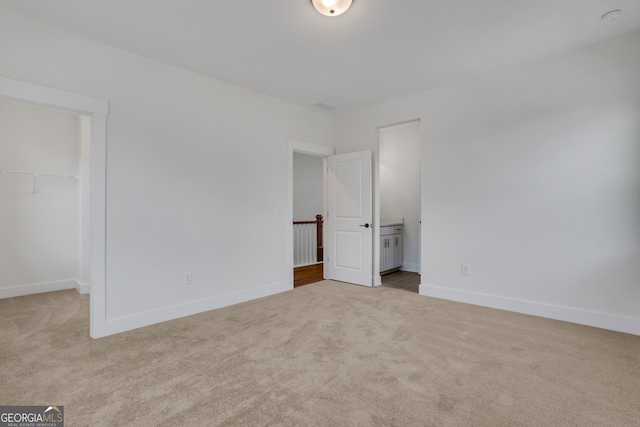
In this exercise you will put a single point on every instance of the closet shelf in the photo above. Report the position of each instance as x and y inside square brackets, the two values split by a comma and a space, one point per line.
[37, 174]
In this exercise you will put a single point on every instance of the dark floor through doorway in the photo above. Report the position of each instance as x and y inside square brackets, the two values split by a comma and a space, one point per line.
[404, 280]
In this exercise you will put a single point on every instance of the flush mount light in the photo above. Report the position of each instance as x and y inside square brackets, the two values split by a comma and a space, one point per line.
[331, 7]
[612, 15]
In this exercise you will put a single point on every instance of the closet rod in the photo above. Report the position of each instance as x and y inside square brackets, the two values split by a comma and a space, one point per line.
[38, 174]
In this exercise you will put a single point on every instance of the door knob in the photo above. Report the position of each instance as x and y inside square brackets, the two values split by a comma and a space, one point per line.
[365, 225]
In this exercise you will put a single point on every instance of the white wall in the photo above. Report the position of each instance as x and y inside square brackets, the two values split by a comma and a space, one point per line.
[307, 187]
[532, 177]
[196, 173]
[400, 185]
[39, 250]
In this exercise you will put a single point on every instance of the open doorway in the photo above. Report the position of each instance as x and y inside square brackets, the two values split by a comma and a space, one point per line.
[348, 208]
[44, 187]
[307, 188]
[308, 205]
[400, 153]
[96, 111]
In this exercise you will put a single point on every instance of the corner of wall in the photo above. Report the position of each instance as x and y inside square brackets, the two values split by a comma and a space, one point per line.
[83, 288]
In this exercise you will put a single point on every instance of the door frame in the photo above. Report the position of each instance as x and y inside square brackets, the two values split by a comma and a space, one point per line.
[97, 109]
[297, 146]
[378, 185]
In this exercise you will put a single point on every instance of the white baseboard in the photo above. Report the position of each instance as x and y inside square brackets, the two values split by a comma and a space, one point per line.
[126, 323]
[83, 288]
[37, 288]
[612, 322]
[377, 280]
[413, 268]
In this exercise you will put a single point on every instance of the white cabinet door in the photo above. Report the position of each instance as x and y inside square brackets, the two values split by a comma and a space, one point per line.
[390, 247]
[384, 253]
[387, 257]
[397, 250]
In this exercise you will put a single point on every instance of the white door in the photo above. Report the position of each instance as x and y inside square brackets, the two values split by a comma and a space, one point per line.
[348, 242]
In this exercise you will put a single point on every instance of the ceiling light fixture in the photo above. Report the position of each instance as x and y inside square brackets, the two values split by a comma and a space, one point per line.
[331, 7]
[612, 15]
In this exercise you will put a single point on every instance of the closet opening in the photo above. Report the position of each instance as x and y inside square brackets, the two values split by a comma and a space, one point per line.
[44, 187]
[93, 112]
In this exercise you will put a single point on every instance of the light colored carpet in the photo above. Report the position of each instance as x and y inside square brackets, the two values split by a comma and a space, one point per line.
[323, 354]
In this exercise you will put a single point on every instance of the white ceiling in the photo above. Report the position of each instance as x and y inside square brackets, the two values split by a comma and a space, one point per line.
[378, 50]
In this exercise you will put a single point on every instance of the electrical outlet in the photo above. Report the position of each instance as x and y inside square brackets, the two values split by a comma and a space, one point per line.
[188, 279]
[466, 270]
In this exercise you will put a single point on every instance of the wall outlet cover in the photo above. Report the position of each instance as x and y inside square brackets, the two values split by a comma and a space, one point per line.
[466, 270]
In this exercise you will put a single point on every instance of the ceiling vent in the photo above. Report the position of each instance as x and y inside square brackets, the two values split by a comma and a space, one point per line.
[324, 106]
